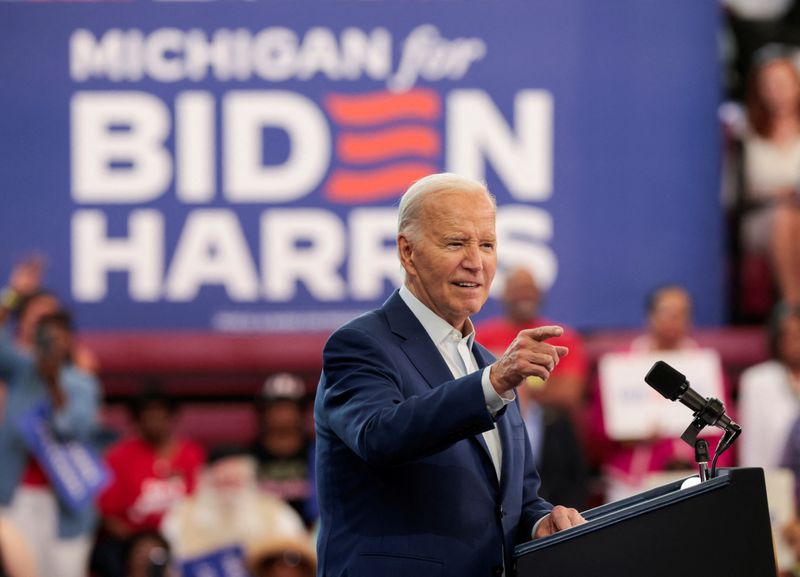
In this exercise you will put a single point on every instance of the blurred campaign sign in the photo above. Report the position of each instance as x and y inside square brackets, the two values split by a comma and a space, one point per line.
[632, 410]
[236, 166]
[226, 562]
[75, 472]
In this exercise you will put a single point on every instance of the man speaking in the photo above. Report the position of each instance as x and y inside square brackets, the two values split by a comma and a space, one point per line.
[423, 461]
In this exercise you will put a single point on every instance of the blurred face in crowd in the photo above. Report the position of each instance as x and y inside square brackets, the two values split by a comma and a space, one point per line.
[450, 263]
[521, 296]
[231, 477]
[670, 319]
[53, 341]
[789, 343]
[778, 86]
[283, 430]
[38, 307]
[156, 423]
[147, 551]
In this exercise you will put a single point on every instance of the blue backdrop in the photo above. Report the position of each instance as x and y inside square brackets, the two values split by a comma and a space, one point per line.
[236, 165]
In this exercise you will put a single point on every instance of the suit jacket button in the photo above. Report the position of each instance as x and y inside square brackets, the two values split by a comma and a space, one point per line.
[497, 570]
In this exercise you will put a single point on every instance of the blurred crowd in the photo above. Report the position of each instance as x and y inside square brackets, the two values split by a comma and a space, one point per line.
[78, 498]
[81, 498]
[156, 502]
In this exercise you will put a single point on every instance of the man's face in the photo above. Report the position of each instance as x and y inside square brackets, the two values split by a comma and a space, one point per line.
[450, 266]
[521, 297]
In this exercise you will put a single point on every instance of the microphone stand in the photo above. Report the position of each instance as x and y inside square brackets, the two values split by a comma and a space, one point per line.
[673, 385]
[710, 414]
[701, 458]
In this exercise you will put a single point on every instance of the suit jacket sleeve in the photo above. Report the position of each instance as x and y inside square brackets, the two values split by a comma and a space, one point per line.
[384, 412]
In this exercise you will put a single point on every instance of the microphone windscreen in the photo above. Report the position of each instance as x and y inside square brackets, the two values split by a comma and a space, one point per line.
[666, 380]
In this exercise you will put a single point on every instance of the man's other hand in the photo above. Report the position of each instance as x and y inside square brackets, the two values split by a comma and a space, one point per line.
[560, 518]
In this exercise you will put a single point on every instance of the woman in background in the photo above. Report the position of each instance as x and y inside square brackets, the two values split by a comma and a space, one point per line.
[771, 223]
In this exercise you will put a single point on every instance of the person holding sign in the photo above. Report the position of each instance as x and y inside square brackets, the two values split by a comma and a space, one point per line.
[424, 466]
[49, 478]
[632, 458]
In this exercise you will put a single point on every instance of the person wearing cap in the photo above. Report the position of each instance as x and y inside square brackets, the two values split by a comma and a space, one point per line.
[282, 448]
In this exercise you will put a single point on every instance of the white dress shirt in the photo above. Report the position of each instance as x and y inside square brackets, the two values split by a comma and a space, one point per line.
[456, 350]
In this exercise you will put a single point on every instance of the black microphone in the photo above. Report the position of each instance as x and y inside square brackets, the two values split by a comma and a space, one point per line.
[674, 386]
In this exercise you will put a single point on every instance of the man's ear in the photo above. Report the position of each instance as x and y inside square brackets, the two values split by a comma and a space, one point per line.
[405, 250]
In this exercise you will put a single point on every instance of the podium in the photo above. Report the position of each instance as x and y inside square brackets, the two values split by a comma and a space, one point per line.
[719, 527]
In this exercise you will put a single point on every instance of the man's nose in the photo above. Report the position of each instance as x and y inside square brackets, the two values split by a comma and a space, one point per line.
[472, 258]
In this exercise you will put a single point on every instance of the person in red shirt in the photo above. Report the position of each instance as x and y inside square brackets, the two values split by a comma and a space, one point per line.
[522, 299]
[549, 408]
[150, 471]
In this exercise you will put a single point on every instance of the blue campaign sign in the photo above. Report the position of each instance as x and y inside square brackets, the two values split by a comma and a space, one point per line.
[73, 469]
[236, 166]
[226, 562]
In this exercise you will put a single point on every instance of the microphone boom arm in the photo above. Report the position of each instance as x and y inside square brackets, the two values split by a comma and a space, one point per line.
[711, 413]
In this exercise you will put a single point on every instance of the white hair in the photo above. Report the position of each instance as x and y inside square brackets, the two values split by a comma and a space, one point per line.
[410, 212]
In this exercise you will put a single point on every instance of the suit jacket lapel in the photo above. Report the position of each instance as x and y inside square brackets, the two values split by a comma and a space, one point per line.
[507, 441]
[418, 346]
[422, 352]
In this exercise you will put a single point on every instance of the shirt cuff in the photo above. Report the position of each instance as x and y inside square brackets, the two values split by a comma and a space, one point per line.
[494, 401]
[536, 526]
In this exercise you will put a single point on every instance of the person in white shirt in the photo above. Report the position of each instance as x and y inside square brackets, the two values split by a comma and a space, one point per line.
[769, 394]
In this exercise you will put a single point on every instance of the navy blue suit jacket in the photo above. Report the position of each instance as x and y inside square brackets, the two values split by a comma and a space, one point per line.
[405, 482]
